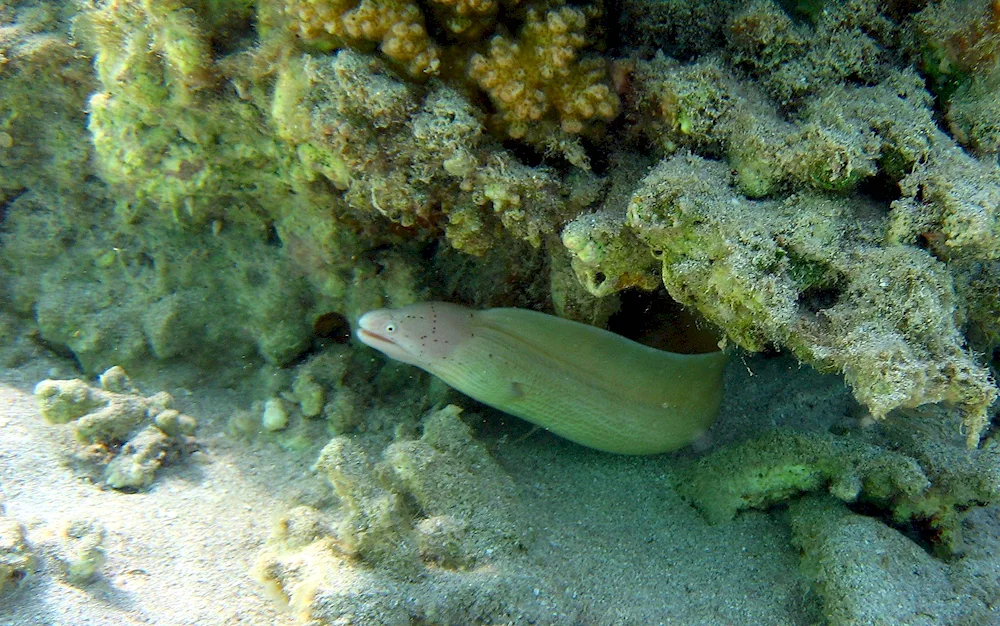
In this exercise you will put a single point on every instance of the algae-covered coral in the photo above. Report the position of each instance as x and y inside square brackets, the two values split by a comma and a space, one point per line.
[130, 435]
[923, 485]
[426, 512]
[808, 272]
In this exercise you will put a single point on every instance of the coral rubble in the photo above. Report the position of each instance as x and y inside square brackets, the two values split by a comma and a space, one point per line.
[135, 434]
[432, 512]
[17, 558]
[83, 551]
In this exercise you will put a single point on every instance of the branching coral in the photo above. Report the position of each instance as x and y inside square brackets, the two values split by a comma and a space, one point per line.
[468, 19]
[541, 77]
[545, 90]
[397, 27]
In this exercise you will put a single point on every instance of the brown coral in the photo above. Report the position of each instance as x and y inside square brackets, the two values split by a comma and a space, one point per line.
[541, 76]
[397, 26]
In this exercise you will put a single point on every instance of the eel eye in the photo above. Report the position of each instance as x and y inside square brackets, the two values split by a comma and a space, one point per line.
[390, 327]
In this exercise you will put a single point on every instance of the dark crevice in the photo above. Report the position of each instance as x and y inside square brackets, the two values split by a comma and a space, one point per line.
[8, 201]
[657, 320]
[819, 298]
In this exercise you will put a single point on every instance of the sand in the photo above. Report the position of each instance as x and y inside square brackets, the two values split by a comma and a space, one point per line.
[179, 553]
[611, 542]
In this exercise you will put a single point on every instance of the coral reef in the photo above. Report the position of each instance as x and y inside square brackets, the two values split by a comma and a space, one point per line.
[209, 180]
[130, 434]
[286, 162]
[808, 273]
[163, 139]
[545, 89]
[420, 158]
[864, 143]
[846, 41]
[322, 389]
[958, 44]
[43, 137]
[682, 29]
[311, 151]
[216, 298]
[838, 139]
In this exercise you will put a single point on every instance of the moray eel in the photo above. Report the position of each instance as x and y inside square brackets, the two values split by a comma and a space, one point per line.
[583, 383]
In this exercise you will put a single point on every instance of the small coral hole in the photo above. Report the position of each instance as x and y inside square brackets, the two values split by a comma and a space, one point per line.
[657, 320]
[818, 298]
[16, 576]
[332, 327]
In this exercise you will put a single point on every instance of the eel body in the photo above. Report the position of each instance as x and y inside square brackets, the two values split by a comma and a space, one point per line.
[583, 383]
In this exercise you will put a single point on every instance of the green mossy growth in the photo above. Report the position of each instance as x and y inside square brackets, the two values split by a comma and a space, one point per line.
[777, 466]
[927, 485]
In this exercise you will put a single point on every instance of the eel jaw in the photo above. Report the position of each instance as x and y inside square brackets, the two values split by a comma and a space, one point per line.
[377, 341]
[386, 346]
[369, 337]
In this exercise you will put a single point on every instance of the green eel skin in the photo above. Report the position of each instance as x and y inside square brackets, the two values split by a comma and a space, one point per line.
[583, 383]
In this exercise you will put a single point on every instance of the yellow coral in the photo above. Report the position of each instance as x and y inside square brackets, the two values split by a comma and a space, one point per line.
[541, 75]
[397, 26]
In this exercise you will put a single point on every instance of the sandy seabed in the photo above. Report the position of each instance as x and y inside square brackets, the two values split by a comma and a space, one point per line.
[180, 553]
[613, 542]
